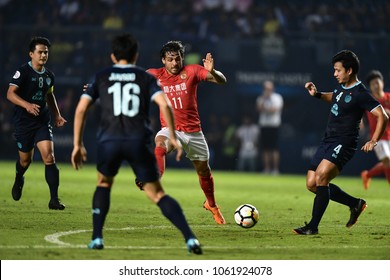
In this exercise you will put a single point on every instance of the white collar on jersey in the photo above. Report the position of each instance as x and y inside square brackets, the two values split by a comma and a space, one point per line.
[354, 85]
[124, 65]
[43, 69]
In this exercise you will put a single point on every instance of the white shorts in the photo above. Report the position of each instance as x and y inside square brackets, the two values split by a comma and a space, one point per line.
[194, 144]
[382, 149]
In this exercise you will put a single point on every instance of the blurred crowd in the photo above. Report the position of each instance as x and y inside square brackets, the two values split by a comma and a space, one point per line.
[211, 19]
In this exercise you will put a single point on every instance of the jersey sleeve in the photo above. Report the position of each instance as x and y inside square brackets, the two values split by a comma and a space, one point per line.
[367, 102]
[154, 87]
[19, 77]
[92, 91]
[200, 72]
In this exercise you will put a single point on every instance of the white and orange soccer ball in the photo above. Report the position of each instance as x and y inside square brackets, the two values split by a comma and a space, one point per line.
[246, 215]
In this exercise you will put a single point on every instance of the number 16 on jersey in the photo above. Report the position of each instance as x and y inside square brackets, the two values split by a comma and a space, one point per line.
[126, 99]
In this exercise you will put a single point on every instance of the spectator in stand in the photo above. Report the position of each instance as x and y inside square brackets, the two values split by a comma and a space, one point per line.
[270, 106]
[247, 135]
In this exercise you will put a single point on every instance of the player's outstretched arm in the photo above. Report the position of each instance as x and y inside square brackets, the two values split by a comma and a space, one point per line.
[312, 89]
[166, 109]
[52, 103]
[79, 153]
[213, 76]
[381, 125]
[14, 98]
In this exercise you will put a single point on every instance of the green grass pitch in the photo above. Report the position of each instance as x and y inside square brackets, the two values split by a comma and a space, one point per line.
[135, 229]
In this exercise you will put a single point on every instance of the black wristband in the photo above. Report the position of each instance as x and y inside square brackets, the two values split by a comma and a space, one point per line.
[318, 95]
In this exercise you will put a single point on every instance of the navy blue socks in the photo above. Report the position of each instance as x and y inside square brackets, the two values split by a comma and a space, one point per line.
[338, 195]
[173, 212]
[100, 207]
[52, 175]
[321, 202]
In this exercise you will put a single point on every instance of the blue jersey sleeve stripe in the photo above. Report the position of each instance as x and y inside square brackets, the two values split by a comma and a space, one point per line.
[86, 96]
[155, 94]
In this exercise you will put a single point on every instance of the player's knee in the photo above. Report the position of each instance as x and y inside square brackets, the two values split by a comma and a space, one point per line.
[25, 162]
[203, 170]
[386, 162]
[48, 159]
[321, 178]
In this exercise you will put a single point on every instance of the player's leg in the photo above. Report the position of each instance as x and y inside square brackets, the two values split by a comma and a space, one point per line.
[22, 164]
[52, 174]
[171, 209]
[109, 160]
[198, 152]
[143, 162]
[382, 151]
[100, 207]
[386, 164]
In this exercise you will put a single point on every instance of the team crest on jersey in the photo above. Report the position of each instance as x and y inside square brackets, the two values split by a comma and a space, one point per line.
[348, 98]
[16, 75]
[48, 81]
[183, 75]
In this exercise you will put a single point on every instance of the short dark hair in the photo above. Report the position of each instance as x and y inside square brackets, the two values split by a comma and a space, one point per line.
[172, 46]
[38, 41]
[125, 47]
[374, 74]
[348, 59]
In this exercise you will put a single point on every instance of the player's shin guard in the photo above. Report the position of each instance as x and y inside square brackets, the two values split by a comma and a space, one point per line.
[159, 153]
[321, 202]
[100, 207]
[207, 185]
[20, 170]
[338, 195]
[173, 212]
[52, 176]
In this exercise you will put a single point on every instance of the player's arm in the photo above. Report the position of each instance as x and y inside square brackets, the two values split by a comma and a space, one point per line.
[213, 76]
[52, 103]
[381, 125]
[166, 109]
[312, 89]
[79, 153]
[13, 96]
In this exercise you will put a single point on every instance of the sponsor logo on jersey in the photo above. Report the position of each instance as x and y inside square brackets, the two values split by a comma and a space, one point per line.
[16, 75]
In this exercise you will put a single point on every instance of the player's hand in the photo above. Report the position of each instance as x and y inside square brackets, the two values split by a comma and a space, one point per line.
[60, 121]
[369, 146]
[33, 109]
[311, 88]
[79, 156]
[208, 62]
[179, 150]
[85, 87]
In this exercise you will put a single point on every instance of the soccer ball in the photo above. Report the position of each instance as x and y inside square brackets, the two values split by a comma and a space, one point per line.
[246, 215]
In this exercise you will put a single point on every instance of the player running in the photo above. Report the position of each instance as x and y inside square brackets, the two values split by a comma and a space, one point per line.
[382, 150]
[31, 89]
[125, 92]
[180, 84]
[349, 102]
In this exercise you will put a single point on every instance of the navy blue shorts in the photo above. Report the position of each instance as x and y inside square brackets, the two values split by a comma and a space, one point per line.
[336, 152]
[27, 136]
[138, 153]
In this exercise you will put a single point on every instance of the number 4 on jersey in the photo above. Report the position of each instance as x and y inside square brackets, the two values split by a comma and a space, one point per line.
[126, 99]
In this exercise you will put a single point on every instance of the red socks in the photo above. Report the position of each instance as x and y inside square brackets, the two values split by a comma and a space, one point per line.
[159, 153]
[377, 170]
[387, 173]
[207, 185]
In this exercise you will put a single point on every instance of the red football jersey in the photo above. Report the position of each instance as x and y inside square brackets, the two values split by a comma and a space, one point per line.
[181, 91]
[385, 102]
